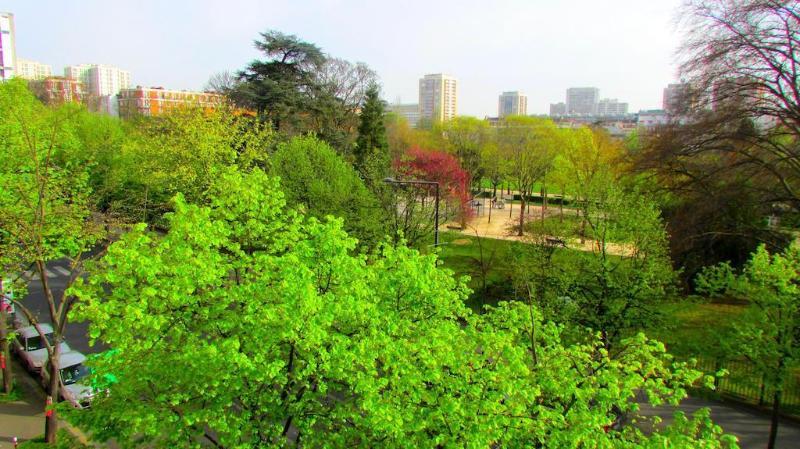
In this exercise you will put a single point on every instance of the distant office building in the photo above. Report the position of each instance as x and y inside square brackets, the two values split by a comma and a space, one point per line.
[558, 109]
[512, 103]
[409, 111]
[154, 101]
[611, 107]
[100, 80]
[58, 90]
[32, 70]
[652, 118]
[438, 97]
[8, 47]
[582, 100]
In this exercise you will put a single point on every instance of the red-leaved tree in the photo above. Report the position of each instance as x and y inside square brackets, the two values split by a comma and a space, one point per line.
[441, 167]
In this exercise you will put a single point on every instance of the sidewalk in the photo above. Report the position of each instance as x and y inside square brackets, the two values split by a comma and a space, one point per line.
[24, 418]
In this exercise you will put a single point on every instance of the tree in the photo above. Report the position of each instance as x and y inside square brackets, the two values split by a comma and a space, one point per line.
[528, 145]
[618, 285]
[415, 220]
[372, 148]
[182, 151]
[768, 334]
[737, 132]
[466, 138]
[47, 208]
[247, 325]
[313, 175]
[223, 82]
[280, 88]
[592, 160]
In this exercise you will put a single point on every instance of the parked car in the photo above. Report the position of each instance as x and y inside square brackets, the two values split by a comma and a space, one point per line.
[30, 347]
[72, 372]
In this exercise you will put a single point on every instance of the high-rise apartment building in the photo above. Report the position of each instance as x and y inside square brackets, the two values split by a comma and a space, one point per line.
[100, 80]
[512, 103]
[410, 112]
[8, 47]
[611, 107]
[582, 100]
[32, 70]
[438, 97]
[102, 83]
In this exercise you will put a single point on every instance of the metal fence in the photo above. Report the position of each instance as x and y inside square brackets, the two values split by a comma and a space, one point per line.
[744, 383]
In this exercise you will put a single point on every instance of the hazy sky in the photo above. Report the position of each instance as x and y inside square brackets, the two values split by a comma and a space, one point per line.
[541, 47]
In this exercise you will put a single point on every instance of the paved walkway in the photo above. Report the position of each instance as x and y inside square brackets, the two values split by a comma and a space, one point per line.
[24, 418]
[750, 426]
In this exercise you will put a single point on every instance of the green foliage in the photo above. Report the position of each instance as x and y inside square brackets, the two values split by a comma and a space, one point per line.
[179, 152]
[46, 191]
[323, 183]
[768, 332]
[372, 143]
[284, 336]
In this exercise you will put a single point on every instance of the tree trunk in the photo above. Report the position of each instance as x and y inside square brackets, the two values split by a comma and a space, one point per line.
[561, 207]
[773, 426]
[5, 360]
[51, 419]
[521, 214]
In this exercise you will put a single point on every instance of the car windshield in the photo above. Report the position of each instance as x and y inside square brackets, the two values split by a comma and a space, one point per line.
[73, 373]
[35, 343]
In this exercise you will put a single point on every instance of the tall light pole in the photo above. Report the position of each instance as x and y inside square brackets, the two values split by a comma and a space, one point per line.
[391, 180]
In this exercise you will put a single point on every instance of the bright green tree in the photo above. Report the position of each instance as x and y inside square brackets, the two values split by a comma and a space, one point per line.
[768, 334]
[182, 151]
[246, 325]
[316, 178]
[47, 206]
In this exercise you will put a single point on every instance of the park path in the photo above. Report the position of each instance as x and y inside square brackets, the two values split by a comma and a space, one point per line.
[750, 426]
[502, 227]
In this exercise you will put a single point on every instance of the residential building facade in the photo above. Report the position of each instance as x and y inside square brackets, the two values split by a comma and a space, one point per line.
[438, 97]
[409, 111]
[652, 118]
[582, 100]
[512, 103]
[32, 70]
[58, 90]
[611, 107]
[8, 47]
[153, 101]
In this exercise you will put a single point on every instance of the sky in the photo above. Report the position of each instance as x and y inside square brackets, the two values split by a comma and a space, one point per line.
[626, 48]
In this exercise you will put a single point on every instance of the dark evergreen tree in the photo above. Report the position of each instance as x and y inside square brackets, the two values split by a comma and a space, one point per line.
[372, 147]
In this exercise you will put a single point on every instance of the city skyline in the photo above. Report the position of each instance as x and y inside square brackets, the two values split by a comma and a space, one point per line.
[541, 49]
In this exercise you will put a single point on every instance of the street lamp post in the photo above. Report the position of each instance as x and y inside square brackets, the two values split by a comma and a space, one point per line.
[391, 180]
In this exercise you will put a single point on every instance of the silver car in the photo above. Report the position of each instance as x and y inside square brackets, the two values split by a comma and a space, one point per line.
[31, 348]
[71, 373]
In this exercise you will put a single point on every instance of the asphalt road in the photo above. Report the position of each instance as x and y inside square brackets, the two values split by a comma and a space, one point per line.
[750, 426]
[76, 334]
